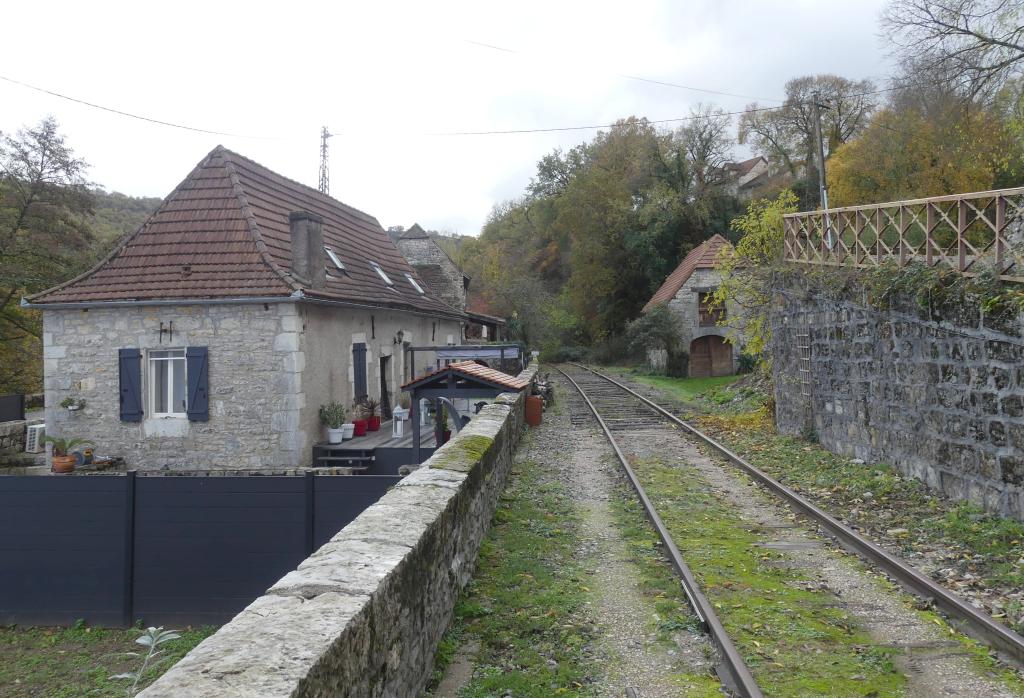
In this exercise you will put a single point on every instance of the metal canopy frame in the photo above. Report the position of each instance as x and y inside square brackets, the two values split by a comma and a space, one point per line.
[442, 390]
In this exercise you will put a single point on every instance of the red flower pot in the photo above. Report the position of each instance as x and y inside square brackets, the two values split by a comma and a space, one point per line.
[373, 423]
[446, 439]
[360, 427]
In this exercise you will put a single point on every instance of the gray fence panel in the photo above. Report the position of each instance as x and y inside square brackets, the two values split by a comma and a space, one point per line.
[205, 547]
[62, 549]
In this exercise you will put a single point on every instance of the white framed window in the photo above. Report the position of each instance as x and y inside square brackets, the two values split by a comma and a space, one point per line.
[419, 289]
[334, 258]
[381, 274]
[167, 384]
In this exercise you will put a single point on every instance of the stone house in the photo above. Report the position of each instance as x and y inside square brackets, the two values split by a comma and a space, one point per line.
[210, 336]
[687, 292]
[442, 275]
[446, 281]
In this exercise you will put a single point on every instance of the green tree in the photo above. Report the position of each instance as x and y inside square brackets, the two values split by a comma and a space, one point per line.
[44, 239]
[748, 271]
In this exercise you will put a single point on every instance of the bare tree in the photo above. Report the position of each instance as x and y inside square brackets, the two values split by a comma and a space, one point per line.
[708, 147]
[786, 135]
[975, 45]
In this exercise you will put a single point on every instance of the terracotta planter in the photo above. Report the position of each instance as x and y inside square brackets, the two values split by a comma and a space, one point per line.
[373, 423]
[360, 427]
[63, 464]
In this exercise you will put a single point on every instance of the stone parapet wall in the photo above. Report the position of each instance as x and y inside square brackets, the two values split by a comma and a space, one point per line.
[363, 615]
[939, 394]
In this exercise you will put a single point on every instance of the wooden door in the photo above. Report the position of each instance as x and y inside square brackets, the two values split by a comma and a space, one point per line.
[721, 356]
[710, 356]
[700, 358]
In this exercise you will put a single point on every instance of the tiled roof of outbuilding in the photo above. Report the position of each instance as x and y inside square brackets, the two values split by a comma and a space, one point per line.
[704, 256]
[472, 369]
[224, 233]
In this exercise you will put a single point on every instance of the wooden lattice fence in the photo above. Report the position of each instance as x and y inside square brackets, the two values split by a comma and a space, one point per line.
[970, 233]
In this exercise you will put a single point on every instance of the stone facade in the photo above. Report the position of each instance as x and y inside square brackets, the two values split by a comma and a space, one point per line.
[685, 307]
[446, 281]
[363, 615]
[270, 368]
[941, 399]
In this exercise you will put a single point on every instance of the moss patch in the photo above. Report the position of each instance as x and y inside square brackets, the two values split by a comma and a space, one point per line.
[462, 454]
[795, 639]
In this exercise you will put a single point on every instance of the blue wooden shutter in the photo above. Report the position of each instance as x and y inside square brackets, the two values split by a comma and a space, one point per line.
[130, 380]
[359, 370]
[197, 372]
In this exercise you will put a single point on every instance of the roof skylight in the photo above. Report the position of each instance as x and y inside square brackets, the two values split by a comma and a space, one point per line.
[419, 289]
[381, 274]
[334, 258]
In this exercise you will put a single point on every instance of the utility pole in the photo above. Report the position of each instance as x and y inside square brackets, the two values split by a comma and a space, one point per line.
[325, 170]
[822, 190]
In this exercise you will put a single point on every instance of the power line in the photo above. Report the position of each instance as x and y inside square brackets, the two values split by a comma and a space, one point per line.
[128, 114]
[692, 117]
[638, 78]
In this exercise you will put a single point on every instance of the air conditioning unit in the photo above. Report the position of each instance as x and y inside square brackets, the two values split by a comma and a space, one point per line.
[34, 438]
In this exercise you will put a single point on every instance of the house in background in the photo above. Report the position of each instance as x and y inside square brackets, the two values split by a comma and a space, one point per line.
[446, 281]
[442, 275]
[210, 336]
[748, 177]
[687, 292]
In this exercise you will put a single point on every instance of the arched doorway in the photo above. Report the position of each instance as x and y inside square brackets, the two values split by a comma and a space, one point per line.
[710, 356]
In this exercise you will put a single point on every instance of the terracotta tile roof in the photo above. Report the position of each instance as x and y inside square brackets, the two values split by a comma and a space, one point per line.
[471, 369]
[224, 233]
[704, 256]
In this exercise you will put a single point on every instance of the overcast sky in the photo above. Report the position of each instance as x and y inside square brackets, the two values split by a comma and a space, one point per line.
[388, 77]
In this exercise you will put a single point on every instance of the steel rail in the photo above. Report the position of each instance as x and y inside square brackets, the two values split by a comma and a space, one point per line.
[974, 622]
[732, 670]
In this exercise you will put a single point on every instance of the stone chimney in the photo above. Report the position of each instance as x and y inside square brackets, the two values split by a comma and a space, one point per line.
[308, 258]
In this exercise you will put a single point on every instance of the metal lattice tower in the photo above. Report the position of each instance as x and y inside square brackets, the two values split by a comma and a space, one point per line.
[325, 169]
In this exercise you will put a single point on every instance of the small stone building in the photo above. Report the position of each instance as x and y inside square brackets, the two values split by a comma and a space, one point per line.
[687, 292]
[443, 277]
[210, 337]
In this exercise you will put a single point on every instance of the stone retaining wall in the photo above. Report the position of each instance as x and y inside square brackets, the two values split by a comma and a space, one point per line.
[362, 616]
[12, 437]
[937, 392]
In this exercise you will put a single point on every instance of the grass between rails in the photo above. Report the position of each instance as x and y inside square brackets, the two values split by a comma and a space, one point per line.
[78, 661]
[973, 551]
[525, 604]
[795, 640]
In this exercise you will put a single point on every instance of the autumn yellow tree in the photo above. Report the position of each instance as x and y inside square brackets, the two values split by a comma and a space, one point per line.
[907, 154]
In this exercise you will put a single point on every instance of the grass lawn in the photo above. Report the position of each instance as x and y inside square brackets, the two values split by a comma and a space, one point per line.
[691, 391]
[78, 661]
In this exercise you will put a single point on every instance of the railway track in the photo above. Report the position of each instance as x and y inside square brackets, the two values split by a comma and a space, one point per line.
[619, 409]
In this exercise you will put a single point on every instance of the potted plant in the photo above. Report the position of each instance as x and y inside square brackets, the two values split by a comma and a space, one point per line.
[370, 407]
[72, 404]
[442, 425]
[61, 461]
[332, 416]
[359, 420]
